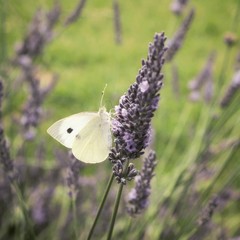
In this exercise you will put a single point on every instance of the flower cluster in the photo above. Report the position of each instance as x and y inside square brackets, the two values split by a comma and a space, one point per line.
[72, 178]
[40, 32]
[5, 157]
[32, 110]
[177, 40]
[138, 198]
[203, 80]
[178, 6]
[117, 22]
[209, 211]
[232, 90]
[76, 13]
[132, 122]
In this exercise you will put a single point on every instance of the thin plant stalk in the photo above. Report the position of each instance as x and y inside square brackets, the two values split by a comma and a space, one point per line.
[128, 229]
[74, 212]
[224, 67]
[116, 205]
[235, 20]
[226, 58]
[2, 31]
[29, 226]
[109, 237]
[101, 206]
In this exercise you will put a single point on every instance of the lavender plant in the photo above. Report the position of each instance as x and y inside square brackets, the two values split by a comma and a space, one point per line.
[5, 157]
[177, 41]
[232, 90]
[138, 198]
[12, 173]
[117, 22]
[177, 6]
[132, 121]
[203, 79]
[32, 110]
[40, 32]
[175, 80]
[76, 13]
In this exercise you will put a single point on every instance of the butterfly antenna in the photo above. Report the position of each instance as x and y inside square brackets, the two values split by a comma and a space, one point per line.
[101, 102]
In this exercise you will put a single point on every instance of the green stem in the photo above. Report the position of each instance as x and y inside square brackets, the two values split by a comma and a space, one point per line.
[74, 212]
[127, 229]
[2, 31]
[115, 212]
[101, 206]
[29, 234]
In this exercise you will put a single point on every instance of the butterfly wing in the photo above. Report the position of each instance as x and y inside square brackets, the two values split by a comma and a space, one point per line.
[93, 142]
[66, 129]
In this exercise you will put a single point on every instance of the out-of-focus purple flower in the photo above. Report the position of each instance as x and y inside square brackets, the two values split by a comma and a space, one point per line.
[40, 32]
[208, 90]
[73, 176]
[41, 209]
[177, 6]
[175, 80]
[117, 22]
[32, 110]
[138, 198]
[204, 75]
[209, 210]
[230, 39]
[76, 13]
[5, 157]
[203, 80]
[178, 38]
[232, 90]
[132, 121]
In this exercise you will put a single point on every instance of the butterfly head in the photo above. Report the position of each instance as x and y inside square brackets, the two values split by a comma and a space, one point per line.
[102, 111]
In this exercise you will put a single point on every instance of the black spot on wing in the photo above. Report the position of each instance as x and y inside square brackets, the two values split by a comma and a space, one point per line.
[69, 130]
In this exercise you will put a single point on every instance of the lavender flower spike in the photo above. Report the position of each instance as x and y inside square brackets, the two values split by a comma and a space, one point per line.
[204, 75]
[139, 196]
[132, 122]
[5, 158]
[178, 39]
[232, 90]
[177, 6]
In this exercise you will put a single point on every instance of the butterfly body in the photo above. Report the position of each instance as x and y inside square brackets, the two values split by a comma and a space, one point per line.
[88, 134]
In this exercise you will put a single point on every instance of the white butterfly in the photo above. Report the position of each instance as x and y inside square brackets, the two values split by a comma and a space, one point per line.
[88, 134]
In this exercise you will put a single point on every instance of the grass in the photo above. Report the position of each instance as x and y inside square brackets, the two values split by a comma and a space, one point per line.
[85, 57]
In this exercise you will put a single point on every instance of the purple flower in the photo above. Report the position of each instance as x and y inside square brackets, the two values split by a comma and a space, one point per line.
[203, 80]
[178, 39]
[73, 176]
[231, 91]
[5, 158]
[204, 75]
[74, 16]
[132, 123]
[177, 6]
[138, 198]
[40, 32]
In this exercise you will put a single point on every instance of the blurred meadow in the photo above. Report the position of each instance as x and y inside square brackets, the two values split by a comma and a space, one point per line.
[45, 193]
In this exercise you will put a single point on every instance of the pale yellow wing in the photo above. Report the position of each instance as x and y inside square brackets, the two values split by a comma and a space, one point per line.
[93, 142]
[66, 129]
